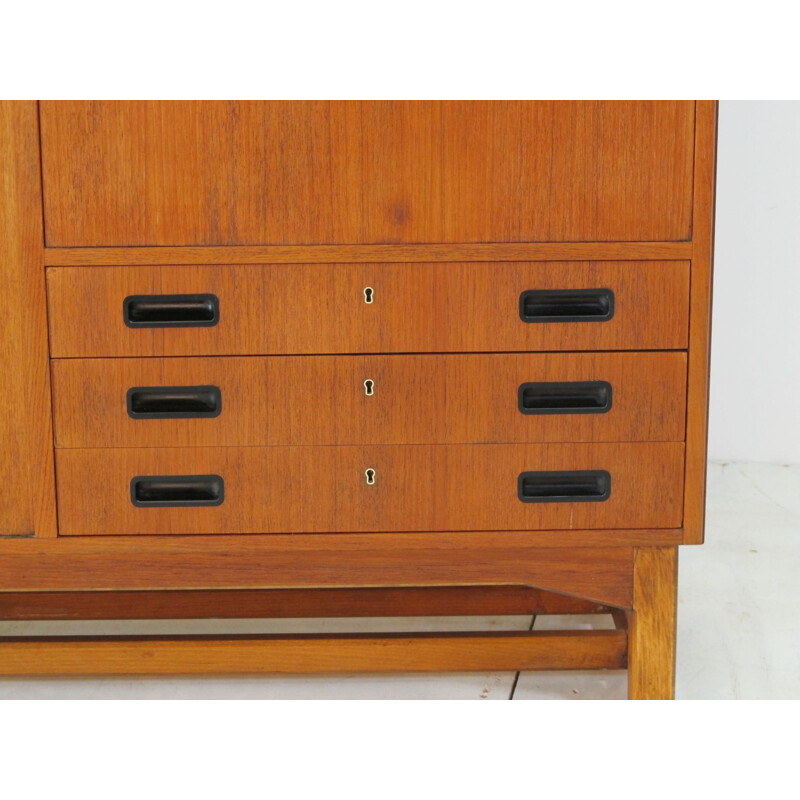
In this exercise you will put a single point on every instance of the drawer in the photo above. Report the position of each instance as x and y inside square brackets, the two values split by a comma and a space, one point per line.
[345, 400]
[227, 173]
[413, 488]
[368, 308]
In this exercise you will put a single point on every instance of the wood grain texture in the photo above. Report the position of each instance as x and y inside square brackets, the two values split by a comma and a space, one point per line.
[318, 309]
[27, 501]
[700, 324]
[297, 172]
[600, 570]
[324, 489]
[322, 400]
[442, 601]
[365, 253]
[449, 211]
[652, 624]
[253, 655]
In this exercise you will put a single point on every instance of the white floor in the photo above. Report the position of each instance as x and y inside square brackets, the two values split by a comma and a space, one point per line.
[738, 635]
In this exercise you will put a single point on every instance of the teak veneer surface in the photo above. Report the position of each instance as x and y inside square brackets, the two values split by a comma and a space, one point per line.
[27, 499]
[293, 172]
[417, 488]
[322, 400]
[320, 308]
[596, 571]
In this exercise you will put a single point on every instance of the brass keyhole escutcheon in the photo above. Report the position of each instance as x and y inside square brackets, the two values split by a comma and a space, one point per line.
[370, 475]
[369, 387]
[369, 295]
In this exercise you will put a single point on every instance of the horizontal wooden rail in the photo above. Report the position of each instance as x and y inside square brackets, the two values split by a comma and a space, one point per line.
[290, 603]
[512, 558]
[386, 253]
[247, 655]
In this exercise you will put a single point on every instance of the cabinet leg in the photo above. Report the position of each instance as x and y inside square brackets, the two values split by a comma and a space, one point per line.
[652, 624]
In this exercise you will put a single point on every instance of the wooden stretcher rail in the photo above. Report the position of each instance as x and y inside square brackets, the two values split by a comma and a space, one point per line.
[247, 655]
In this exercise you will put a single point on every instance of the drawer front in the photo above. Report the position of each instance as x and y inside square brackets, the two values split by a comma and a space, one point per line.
[346, 400]
[227, 173]
[367, 308]
[410, 488]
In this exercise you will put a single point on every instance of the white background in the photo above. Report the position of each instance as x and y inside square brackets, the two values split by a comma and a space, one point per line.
[755, 343]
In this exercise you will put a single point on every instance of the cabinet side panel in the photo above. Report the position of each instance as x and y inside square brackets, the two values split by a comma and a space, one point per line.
[700, 321]
[27, 500]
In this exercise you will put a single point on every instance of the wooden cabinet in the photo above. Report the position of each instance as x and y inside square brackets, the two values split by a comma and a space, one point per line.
[264, 354]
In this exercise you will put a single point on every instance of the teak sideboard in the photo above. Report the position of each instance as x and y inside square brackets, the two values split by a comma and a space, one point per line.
[353, 359]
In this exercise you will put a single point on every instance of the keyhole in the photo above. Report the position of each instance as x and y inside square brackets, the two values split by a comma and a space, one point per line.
[369, 387]
[370, 473]
[368, 295]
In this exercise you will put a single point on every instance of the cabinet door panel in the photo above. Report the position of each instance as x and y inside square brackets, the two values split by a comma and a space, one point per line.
[365, 172]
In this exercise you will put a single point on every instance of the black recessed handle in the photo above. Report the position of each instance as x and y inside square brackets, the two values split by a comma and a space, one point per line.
[569, 397]
[150, 491]
[171, 310]
[577, 486]
[174, 402]
[566, 305]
